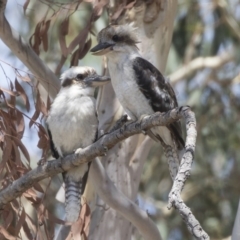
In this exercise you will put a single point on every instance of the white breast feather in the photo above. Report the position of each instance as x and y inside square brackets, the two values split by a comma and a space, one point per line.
[131, 98]
[72, 121]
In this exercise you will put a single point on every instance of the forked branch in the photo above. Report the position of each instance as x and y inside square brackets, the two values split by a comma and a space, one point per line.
[100, 147]
[182, 175]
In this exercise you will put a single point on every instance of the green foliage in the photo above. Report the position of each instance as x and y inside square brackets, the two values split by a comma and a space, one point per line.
[212, 191]
[201, 30]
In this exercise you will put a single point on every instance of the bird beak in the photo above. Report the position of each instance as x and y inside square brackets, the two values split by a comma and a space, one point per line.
[97, 81]
[102, 48]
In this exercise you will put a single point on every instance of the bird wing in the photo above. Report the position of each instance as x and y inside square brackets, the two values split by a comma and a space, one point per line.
[54, 151]
[159, 93]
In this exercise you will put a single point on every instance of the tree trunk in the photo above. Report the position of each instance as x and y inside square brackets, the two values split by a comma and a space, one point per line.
[125, 161]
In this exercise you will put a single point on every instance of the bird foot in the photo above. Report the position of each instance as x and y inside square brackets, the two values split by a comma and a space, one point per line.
[119, 123]
[78, 151]
[142, 117]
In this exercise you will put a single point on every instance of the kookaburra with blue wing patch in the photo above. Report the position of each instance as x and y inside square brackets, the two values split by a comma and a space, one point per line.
[139, 86]
[73, 124]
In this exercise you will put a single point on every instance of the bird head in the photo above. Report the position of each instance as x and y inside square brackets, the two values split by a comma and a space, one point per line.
[83, 77]
[115, 38]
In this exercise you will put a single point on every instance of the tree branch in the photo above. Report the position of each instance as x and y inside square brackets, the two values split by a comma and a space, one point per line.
[6, 234]
[26, 54]
[182, 175]
[200, 63]
[98, 148]
[108, 141]
[154, 26]
[119, 202]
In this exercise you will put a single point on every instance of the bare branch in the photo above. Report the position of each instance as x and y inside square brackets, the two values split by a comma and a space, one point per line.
[108, 141]
[182, 175]
[187, 159]
[200, 63]
[192, 223]
[26, 54]
[119, 202]
[6, 234]
[87, 154]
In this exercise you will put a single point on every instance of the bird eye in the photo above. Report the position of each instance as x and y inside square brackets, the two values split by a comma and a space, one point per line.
[80, 76]
[115, 38]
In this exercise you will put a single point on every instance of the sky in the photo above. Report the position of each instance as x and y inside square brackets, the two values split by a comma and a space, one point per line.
[14, 14]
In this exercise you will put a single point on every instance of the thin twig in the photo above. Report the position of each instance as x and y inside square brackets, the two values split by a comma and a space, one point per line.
[26, 54]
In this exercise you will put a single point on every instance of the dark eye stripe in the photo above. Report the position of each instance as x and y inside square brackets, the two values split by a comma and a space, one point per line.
[80, 76]
[67, 82]
[115, 38]
[124, 39]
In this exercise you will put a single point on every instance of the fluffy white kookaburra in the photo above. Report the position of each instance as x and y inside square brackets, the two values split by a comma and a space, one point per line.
[139, 86]
[73, 124]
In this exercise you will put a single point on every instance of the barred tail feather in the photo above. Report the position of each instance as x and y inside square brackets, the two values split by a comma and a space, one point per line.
[163, 135]
[73, 190]
[75, 181]
[171, 154]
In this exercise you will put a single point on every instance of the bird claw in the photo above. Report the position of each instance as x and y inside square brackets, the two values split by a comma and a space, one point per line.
[142, 117]
[119, 123]
[144, 132]
[77, 151]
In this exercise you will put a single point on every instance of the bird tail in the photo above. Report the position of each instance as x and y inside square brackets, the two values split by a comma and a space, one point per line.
[170, 148]
[171, 154]
[73, 206]
[75, 182]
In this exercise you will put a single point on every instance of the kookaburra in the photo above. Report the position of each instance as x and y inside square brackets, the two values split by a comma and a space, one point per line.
[73, 124]
[139, 86]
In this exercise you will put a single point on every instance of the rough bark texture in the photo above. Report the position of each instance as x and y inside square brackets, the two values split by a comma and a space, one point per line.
[120, 203]
[98, 148]
[104, 186]
[124, 163]
[182, 175]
